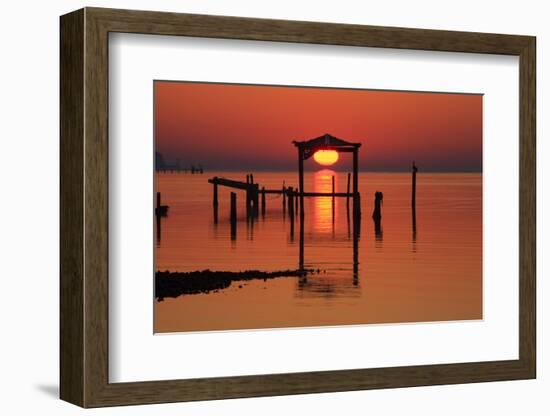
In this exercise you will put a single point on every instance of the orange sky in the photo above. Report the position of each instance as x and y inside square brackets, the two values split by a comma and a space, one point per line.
[250, 127]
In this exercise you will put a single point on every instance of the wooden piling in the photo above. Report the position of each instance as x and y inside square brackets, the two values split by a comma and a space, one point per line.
[348, 189]
[215, 192]
[263, 201]
[233, 215]
[255, 198]
[215, 199]
[158, 201]
[291, 211]
[284, 197]
[158, 228]
[301, 177]
[356, 204]
[413, 196]
[290, 200]
[377, 213]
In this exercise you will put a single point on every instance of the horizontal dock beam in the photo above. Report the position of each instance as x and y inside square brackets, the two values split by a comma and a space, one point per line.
[230, 183]
[247, 186]
[336, 194]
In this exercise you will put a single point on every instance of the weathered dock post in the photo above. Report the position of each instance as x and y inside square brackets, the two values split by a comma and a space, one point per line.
[356, 202]
[301, 253]
[248, 196]
[158, 228]
[301, 176]
[255, 199]
[291, 211]
[233, 215]
[157, 215]
[413, 196]
[333, 199]
[215, 198]
[263, 201]
[296, 210]
[347, 192]
[377, 213]
[290, 198]
[284, 198]
[215, 191]
[160, 210]
[356, 227]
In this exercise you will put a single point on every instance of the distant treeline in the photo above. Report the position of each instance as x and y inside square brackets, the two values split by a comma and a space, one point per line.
[161, 165]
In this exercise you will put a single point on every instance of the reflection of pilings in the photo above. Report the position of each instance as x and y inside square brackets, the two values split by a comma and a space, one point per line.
[160, 210]
[413, 196]
[255, 197]
[291, 211]
[250, 227]
[357, 211]
[347, 204]
[215, 199]
[301, 258]
[263, 201]
[348, 222]
[378, 230]
[333, 201]
[301, 177]
[233, 215]
[356, 233]
[357, 221]
[296, 199]
[347, 196]
[248, 201]
[158, 228]
[414, 226]
[356, 205]
[377, 213]
[284, 199]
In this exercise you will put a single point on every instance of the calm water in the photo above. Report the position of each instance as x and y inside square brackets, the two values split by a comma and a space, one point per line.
[433, 274]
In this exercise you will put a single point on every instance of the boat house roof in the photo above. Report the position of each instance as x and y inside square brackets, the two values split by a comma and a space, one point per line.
[326, 141]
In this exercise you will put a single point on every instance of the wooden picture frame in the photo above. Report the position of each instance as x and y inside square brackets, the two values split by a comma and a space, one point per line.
[84, 207]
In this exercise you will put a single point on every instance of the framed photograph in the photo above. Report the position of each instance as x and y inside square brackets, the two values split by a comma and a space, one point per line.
[254, 207]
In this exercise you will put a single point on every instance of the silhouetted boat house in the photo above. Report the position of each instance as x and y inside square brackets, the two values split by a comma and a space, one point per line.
[307, 148]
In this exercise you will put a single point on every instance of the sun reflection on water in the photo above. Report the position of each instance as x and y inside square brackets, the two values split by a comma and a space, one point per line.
[324, 208]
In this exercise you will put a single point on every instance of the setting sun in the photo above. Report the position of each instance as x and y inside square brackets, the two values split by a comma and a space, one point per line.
[326, 157]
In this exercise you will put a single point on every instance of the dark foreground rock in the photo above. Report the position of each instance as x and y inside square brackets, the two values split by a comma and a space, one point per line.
[173, 284]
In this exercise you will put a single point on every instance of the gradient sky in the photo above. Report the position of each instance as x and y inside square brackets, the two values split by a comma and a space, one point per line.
[251, 127]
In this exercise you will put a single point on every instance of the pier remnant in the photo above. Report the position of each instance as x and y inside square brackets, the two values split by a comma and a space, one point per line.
[215, 198]
[233, 215]
[291, 195]
[160, 210]
[263, 201]
[377, 213]
[413, 196]
[347, 196]
[284, 195]
[255, 191]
